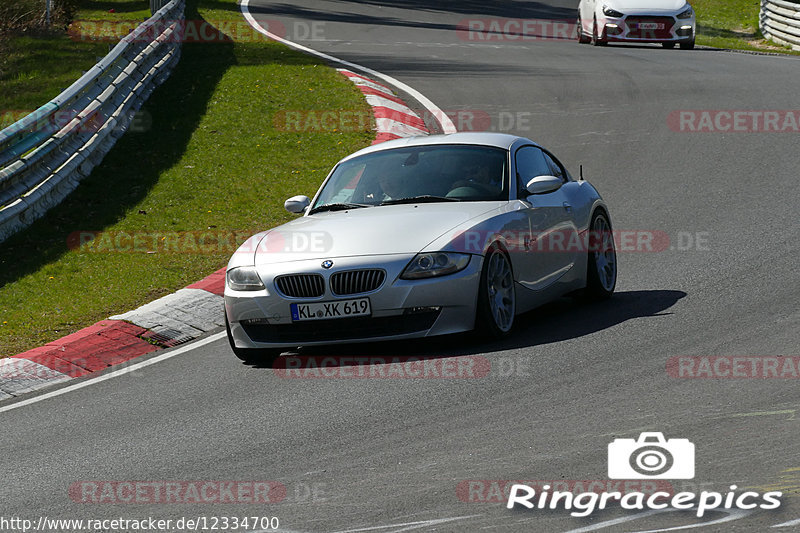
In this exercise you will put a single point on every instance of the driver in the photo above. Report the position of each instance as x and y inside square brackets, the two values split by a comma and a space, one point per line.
[477, 174]
[392, 186]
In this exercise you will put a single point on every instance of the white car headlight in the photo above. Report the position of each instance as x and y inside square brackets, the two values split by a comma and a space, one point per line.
[686, 13]
[429, 265]
[244, 279]
[607, 11]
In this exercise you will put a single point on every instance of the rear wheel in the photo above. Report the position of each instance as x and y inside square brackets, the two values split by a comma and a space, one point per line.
[601, 268]
[252, 356]
[669, 45]
[496, 298]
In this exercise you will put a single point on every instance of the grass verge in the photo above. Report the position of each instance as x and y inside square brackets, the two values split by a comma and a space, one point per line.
[211, 159]
[732, 24]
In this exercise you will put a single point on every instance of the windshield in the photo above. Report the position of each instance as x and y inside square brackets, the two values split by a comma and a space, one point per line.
[443, 173]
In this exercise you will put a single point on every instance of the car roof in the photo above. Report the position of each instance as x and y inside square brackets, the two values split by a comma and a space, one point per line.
[498, 140]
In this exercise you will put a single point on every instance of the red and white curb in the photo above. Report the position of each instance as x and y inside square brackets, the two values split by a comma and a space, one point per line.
[393, 118]
[178, 317]
[163, 323]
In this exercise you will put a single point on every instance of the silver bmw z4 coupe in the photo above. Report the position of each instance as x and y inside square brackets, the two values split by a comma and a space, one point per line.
[419, 237]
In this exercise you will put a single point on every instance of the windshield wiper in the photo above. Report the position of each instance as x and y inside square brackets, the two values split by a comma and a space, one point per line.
[336, 207]
[426, 198]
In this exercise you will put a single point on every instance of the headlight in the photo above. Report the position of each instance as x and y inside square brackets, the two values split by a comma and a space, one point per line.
[686, 13]
[429, 265]
[613, 13]
[244, 279]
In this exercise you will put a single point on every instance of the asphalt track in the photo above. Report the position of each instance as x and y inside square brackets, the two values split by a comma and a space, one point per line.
[389, 454]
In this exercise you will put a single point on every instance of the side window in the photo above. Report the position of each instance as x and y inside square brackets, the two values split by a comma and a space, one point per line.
[555, 167]
[530, 163]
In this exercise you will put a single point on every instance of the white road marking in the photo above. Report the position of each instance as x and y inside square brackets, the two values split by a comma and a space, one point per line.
[407, 526]
[116, 373]
[789, 523]
[733, 514]
[445, 122]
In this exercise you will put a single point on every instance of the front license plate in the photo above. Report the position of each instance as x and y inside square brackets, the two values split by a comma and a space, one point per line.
[330, 310]
[650, 26]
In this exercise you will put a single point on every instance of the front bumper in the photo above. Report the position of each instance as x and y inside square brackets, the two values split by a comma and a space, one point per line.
[625, 29]
[401, 309]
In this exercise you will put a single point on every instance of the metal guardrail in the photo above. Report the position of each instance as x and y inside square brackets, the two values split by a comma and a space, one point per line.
[44, 155]
[780, 22]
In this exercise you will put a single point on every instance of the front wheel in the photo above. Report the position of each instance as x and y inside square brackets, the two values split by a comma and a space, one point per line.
[252, 356]
[669, 45]
[597, 40]
[496, 298]
[601, 268]
[688, 46]
[582, 38]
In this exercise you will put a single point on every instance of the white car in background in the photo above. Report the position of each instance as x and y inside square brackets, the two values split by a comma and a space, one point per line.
[668, 22]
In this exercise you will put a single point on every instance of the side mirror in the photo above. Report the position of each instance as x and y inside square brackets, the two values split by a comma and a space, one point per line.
[297, 204]
[543, 184]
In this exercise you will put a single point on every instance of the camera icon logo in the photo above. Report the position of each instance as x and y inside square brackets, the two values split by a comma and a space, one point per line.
[651, 457]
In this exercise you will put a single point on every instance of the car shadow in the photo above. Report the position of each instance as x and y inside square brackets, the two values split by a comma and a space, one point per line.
[564, 319]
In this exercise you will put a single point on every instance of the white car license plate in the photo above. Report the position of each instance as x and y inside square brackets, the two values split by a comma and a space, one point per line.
[650, 26]
[330, 310]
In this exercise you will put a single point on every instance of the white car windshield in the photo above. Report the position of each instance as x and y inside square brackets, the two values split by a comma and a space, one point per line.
[436, 173]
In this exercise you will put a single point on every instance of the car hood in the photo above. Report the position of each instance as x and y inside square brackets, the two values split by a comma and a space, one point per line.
[394, 229]
[645, 6]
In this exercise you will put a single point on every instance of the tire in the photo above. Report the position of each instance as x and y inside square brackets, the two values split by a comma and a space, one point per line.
[688, 46]
[252, 356]
[669, 45]
[601, 264]
[582, 38]
[596, 39]
[497, 304]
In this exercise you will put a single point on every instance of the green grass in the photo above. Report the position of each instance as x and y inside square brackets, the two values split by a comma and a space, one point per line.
[732, 24]
[211, 159]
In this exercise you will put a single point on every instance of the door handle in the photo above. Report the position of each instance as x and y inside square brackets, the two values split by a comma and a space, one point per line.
[567, 207]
